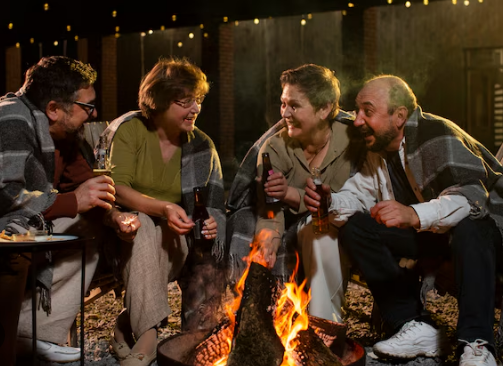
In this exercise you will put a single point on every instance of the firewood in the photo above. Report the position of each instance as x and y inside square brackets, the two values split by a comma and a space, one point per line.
[256, 342]
[311, 351]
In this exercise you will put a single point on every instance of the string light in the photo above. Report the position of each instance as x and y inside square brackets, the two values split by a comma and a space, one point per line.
[201, 26]
[173, 17]
[76, 38]
[236, 23]
[191, 35]
[206, 35]
[11, 25]
[426, 2]
[117, 35]
[55, 43]
[351, 5]
[46, 6]
[114, 13]
[466, 3]
[117, 29]
[344, 12]
[407, 4]
[454, 2]
[303, 22]
[180, 44]
[32, 40]
[68, 28]
[163, 27]
[390, 1]
[309, 16]
[150, 31]
[226, 19]
[256, 21]
[143, 34]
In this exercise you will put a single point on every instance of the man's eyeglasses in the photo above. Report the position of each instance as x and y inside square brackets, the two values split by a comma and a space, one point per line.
[188, 102]
[89, 108]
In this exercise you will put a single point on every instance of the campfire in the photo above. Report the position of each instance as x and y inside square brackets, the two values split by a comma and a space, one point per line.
[265, 325]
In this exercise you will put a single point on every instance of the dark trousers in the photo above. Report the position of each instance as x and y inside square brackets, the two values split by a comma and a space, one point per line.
[474, 246]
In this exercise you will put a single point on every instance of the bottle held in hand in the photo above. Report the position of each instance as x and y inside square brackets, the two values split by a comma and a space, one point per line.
[200, 214]
[266, 172]
[320, 218]
[102, 163]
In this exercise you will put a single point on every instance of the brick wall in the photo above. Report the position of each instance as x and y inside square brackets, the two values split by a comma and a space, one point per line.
[13, 69]
[226, 92]
[108, 78]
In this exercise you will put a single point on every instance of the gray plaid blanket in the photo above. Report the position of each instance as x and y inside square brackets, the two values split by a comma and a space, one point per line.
[242, 211]
[200, 167]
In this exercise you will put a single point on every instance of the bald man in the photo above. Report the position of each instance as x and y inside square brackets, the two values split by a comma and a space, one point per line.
[423, 192]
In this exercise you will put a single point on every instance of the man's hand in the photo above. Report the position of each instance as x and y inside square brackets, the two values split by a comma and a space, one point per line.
[312, 199]
[178, 221]
[126, 224]
[393, 214]
[95, 192]
[276, 186]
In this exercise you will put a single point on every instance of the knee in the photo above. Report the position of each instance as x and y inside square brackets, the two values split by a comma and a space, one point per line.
[349, 232]
[468, 233]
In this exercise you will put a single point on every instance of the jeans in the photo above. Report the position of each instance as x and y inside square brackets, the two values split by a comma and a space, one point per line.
[474, 246]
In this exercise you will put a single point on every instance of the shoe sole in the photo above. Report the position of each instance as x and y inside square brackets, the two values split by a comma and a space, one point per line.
[406, 356]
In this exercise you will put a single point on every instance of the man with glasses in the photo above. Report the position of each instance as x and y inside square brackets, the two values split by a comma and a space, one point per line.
[46, 184]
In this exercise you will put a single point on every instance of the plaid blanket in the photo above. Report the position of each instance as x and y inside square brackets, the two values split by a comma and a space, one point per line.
[242, 211]
[445, 160]
[26, 175]
[200, 167]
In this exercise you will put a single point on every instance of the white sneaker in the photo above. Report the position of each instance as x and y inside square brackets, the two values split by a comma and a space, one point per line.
[476, 354]
[48, 351]
[412, 340]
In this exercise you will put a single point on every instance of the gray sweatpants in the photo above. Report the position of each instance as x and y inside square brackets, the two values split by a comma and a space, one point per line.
[155, 258]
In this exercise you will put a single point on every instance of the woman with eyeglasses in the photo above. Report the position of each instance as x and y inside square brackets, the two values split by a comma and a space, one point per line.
[158, 156]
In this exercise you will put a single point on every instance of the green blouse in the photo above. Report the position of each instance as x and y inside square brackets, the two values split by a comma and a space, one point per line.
[137, 163]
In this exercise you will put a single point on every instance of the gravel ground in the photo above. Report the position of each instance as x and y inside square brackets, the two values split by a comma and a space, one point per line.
[100, 319]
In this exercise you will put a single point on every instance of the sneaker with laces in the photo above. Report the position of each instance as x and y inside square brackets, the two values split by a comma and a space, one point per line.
[476, 354]
[412, 340]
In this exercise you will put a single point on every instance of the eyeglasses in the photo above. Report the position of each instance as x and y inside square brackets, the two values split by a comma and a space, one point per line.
[89, 108]
[188, 102]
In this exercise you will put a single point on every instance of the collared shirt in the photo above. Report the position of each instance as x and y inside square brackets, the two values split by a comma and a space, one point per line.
[372, 184]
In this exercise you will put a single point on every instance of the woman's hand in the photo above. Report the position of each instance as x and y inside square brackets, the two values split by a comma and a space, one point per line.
[210, 228]
[178, 221]
[268, 243]
[276, 186]
[126, 224]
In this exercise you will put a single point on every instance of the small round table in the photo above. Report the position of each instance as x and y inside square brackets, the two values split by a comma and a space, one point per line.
[45, 244]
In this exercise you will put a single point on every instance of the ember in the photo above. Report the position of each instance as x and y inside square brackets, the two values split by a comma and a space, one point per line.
[266, 326]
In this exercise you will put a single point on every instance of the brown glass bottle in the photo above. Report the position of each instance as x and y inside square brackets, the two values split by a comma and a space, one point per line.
[200, 213]
[320, 218]
[266, 172]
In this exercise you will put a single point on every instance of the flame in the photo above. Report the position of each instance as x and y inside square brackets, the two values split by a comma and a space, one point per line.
[290, 316]
[270, 214]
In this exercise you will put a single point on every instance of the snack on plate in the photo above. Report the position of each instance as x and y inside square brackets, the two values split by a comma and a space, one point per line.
[17, 237]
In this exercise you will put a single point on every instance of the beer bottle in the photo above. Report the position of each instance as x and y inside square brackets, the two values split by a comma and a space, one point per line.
[266, 172]
[101, 164]
[320, 218]
[200, 214]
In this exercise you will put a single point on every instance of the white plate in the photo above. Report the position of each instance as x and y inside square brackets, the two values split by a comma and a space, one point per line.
[55, 237]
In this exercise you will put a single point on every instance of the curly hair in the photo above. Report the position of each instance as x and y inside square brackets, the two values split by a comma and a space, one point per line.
[57, 78]
[170, 79]
[318, 83]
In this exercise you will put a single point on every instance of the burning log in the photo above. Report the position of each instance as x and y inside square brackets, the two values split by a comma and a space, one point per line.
[311, 351]
[256, 342]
